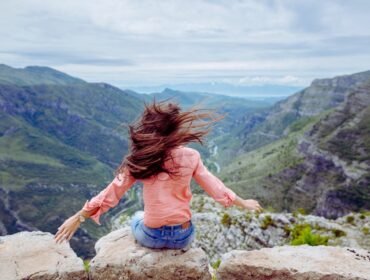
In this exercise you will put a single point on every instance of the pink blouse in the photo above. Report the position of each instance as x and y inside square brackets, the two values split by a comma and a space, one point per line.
[166, 199]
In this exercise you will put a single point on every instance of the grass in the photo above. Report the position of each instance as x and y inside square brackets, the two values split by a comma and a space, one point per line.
[302, 234]
[300, 210]
[226, 219]
[365, 213]
[338, 233]
[266, 222]
[86, 264]
[216, 264]
[287, 229]
[365, 230]
[270, 209]
[350, 220]
[249, 179]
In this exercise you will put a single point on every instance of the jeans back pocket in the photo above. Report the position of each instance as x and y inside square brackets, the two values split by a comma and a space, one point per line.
[184, 237]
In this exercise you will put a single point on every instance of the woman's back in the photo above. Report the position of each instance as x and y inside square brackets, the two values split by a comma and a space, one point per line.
[158, 158]
[166, 199]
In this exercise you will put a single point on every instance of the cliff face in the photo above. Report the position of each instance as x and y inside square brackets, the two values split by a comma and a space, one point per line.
[322, 164]
[35, 255]
[60, 138]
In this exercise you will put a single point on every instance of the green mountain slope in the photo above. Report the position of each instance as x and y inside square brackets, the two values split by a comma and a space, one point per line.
[268, 125]
[322, 164]
[234, 109]
[60, 140]
[35, 75]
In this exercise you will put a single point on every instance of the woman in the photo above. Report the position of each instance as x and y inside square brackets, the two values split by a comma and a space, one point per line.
[160, 160]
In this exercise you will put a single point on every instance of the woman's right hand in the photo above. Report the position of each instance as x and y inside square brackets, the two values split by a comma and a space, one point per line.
[252, 204]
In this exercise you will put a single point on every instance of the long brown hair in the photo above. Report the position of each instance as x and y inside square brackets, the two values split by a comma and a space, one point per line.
[161, 127]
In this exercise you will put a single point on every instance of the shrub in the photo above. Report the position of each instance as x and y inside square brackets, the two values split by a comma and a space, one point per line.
[267, 221]
[365, 230]
[302, 234]
[300, 210]
[365, 212]
[216, 264]
[248, 217]
[350, 219]
[257, 214]
[269, 208]
[287, 229]
[226, 219]
[86, 265]
[339, 232]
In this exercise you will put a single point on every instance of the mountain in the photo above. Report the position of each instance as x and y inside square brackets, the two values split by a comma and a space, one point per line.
[34, 75]
[265, 92]
[232, 107]
[321, 160]
[266, 126]
[61, 139]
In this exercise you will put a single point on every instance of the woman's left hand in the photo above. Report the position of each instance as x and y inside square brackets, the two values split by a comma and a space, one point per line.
[67, 229]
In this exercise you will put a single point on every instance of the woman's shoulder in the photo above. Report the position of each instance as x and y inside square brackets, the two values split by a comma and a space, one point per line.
[187, 150]
[187, 156]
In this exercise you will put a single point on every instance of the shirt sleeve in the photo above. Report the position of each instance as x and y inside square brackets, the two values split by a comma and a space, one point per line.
[212, 185]
[110, 196]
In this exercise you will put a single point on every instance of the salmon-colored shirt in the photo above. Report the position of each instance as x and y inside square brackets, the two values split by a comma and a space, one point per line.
[166, 199]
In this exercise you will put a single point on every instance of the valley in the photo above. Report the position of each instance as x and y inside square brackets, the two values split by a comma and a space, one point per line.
[61, 139]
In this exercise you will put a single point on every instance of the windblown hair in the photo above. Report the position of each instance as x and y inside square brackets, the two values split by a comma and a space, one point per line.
[161, 127]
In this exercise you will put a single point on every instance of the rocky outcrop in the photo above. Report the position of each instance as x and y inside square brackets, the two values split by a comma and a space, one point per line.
[220, 230]
[120, 256]
[35, 255]
[296, 263]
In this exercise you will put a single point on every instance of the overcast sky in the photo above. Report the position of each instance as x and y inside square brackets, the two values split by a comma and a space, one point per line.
[142, 42]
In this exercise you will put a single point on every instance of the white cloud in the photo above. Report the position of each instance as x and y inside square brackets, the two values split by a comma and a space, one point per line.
[142, 42]
[271, 80]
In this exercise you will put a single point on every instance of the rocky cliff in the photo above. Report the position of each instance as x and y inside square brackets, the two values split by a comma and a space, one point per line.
[322, 164]
[268, 125]
[35, 255]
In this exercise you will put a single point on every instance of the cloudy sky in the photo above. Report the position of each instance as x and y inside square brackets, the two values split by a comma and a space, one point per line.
[138, 43]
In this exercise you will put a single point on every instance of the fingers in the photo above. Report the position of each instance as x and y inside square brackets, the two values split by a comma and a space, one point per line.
[69, 236]
[60, 235]
[256, 206]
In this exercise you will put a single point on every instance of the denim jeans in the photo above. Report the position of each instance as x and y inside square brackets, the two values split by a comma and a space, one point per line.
[161, 237]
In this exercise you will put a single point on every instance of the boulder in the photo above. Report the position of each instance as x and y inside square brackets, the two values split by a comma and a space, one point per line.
[120, 256]
[296, 262]
[36, 255]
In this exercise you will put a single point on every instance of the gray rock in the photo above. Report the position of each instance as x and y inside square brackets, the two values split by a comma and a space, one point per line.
[120, 256]
[296, 263]
[35, 255]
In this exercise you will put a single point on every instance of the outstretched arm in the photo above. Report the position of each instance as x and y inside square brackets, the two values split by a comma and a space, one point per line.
[99, 204]
[108, 197]
[217, 190]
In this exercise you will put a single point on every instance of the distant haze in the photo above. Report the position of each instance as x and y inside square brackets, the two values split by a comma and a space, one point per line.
[251, 92]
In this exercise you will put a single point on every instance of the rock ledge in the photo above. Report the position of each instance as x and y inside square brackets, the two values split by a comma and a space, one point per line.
[296, 263]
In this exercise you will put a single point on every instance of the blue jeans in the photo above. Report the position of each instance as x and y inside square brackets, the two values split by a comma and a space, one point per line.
[161, 237]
